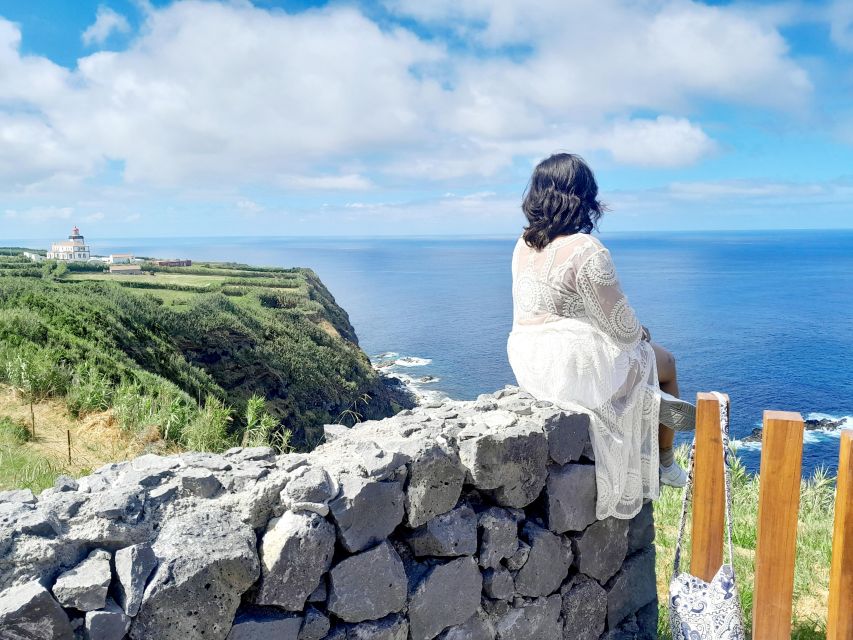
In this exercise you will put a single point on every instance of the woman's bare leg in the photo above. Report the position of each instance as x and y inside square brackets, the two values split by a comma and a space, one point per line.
[668, 381]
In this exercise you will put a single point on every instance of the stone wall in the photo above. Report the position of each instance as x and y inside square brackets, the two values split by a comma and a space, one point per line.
[459, 521]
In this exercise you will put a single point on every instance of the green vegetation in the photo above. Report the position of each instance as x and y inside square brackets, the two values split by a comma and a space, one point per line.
[814, 547]
[21, 467]
[204, 357]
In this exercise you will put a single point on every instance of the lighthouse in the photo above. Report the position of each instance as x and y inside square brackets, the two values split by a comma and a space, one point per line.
[75, 248]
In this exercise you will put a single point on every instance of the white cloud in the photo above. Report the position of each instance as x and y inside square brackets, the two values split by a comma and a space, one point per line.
[841, 24]
[224, 95]
[663, 142]
[94, 217]
[249, 207]
[349, 182]
[106, 23]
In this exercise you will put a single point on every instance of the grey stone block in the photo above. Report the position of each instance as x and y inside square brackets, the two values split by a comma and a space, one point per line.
[539, 619]
[315, 626]
[29, 612]
[369, 459]
[249, 454]
[65, 483]
[257, 623]
[498, 584]
[627, 630]
[85, 586]
[392, 627]
[295, 552]
[547, 563]
[450, 534]
[498, 536]
[494, 608]
[123, 503]
[366, 511]
[206, 460]
[584, 609]
[435, 481]
[162, 494]
[517, 560]
[510, 462]
[368, 585]
[647, 621]
[447, 595]
[206, 560]
[21, 496]
[109, 623]
[35, 520]
[320, 593]
[334, 431]
[632, 588]
[477, 627]
[570, 497]
[641, 529]
[133, 565]
[308, 484]
[601, 549]
[568, 434]
[200, 483]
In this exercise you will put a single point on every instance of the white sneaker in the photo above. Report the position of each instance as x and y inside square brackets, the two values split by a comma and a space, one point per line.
[673, 475]
[677, 414]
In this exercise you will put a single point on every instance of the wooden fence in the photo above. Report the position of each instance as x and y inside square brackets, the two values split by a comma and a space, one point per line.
[778, 506]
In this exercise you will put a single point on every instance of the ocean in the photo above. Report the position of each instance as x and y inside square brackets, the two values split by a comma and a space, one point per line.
[765, 316]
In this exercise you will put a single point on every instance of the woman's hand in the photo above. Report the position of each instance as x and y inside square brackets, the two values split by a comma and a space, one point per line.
[647, 335]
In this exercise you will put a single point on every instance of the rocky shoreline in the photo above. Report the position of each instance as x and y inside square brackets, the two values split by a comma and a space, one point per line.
[822, 424]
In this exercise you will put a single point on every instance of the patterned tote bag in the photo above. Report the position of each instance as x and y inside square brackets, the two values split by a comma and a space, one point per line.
[700, 610]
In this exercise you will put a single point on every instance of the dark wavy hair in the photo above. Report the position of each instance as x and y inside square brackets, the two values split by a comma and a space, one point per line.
[561, 199]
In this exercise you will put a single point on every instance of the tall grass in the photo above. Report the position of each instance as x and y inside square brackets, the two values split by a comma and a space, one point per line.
[814, 546]
[34, 372]
[262, 429]
[89, 391]
[143, 407]
[20, 466]
[208, 429]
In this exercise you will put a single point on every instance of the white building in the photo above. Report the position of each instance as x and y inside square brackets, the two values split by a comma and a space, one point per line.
[35, 257]
[75, 248]
[121, 258]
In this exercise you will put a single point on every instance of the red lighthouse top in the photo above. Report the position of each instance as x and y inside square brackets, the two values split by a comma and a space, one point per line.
[75, 231]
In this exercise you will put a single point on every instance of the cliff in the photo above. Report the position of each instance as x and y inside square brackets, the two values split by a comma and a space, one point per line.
[181, 351]
[468, 520]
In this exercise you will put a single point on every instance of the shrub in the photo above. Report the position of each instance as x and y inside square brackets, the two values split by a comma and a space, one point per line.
[13, 432]
[208, 429]
[35, 373]
[89, 391]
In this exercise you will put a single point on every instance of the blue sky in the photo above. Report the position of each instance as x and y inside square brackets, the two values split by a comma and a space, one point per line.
[407, 117]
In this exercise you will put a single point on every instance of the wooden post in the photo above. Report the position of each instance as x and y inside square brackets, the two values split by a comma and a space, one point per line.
[778, 507]
[33, 418]
[708, 490]
[839, 623]
[68, 434]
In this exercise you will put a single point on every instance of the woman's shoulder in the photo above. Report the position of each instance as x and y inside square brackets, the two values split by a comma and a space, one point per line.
[580, 240]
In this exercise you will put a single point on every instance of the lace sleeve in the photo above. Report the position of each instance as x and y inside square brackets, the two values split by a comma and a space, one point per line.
[604, 300]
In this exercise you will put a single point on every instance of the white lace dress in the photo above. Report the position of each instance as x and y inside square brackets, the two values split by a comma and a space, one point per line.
[577, 342]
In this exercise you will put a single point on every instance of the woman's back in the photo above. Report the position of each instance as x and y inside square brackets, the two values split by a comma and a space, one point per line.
[571, 277]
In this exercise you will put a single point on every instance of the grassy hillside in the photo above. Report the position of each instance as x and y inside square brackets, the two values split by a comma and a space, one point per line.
[210, 355]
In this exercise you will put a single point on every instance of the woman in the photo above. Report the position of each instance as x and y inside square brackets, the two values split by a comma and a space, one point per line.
[576, 341]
